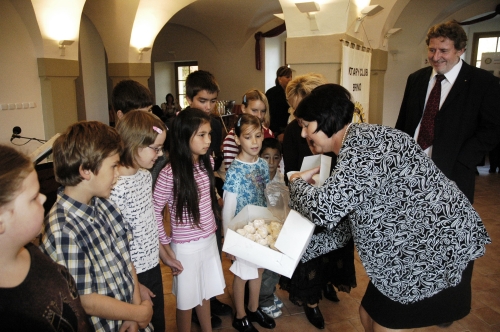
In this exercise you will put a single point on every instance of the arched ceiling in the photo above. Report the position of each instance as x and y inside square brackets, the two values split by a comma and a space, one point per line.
[227, 23]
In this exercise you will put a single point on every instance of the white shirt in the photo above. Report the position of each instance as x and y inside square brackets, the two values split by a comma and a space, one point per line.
[446, 85]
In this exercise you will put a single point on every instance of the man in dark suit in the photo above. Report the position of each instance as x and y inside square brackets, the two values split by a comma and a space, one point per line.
[467, 123]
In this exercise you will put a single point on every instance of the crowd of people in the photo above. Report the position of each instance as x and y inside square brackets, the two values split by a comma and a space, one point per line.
[161, 185]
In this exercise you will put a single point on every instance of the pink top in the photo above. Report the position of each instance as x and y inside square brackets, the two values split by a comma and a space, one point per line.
[185, 232]
[231, 149]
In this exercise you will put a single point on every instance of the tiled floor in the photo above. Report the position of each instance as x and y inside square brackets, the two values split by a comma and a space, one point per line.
[343, 316]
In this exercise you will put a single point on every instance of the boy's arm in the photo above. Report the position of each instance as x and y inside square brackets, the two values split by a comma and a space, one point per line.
[110, 308]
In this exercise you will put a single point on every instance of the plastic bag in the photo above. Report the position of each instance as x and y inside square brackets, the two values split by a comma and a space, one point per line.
[278, 197]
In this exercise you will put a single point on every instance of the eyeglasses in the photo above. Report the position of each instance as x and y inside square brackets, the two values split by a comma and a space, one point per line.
[157, 150]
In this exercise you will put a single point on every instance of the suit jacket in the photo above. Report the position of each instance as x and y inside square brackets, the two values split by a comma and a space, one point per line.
[466, 127]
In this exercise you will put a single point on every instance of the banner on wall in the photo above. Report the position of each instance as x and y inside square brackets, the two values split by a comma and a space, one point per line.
[355, 77]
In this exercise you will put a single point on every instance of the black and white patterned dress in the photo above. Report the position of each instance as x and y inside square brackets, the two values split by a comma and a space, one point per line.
[414, 230]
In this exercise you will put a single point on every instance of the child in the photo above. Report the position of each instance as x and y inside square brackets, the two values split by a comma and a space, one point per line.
[85, 232]
[255, 103]
[129, 95]
[246, 180]
[202, 91]
[36, 294]
[271, 152]
[186, 184]
[143, 135]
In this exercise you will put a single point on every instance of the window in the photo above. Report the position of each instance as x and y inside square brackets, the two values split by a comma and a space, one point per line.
[482, 43]
[182, 70]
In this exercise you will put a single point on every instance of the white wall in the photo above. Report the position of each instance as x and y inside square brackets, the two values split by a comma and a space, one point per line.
[273, 50]
[233, 68]
[164, 78]
[93, 72]
[19, 80]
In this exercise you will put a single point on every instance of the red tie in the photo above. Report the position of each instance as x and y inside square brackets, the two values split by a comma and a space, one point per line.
[426, 133]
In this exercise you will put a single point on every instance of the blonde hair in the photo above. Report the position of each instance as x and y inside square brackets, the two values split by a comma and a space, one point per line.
[137, 129]
[254, 94]
[302, 86]
[14, 168]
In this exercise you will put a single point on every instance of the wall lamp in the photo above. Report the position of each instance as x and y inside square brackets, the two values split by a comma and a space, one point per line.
[389, 34]
[63, 44]
[367, 11]
[142, 50]
[310, 8]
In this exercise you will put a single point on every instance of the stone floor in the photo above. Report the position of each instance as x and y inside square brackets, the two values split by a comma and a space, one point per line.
[343, 316]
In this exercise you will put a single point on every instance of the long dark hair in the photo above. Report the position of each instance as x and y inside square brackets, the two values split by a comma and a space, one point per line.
[186, 195]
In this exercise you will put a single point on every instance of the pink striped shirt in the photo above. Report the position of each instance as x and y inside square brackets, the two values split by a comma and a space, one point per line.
[185, 232]
[231, 149]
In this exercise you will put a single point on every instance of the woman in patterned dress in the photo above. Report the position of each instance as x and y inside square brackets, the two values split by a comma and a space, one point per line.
[416, 233]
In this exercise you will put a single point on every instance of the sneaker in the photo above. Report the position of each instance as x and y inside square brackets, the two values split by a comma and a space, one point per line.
[277, 302]
[272, 311]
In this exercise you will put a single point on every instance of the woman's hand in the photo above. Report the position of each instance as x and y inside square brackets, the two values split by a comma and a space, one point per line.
[305, 175]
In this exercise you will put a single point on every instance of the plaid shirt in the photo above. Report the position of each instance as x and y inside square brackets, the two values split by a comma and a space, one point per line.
[92, 241]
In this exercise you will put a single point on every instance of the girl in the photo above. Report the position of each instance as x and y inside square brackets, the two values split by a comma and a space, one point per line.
[246, 180]
[36, 294]
[187, 186]
[143, 135]
[255, 103]
[169, 107]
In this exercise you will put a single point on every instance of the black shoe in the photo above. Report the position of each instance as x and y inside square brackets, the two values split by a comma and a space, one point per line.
[330, 293]
[220, 309]
[215, 321]
[243, 325]
[261, 318]
[314, 316]
[445, 325]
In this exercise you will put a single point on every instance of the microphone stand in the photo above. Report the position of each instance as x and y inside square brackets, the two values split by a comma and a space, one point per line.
[28, 138]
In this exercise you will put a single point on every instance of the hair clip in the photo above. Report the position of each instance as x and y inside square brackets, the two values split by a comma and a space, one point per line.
[158, 130]
[245, 98]
[239, 122]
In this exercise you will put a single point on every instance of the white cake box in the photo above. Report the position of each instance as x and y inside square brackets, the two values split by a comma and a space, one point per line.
[291, 243]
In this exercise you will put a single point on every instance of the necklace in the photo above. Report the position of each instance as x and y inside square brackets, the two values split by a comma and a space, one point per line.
[345, 134]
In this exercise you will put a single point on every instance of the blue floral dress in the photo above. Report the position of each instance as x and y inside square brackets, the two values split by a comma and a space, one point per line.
[248, 181]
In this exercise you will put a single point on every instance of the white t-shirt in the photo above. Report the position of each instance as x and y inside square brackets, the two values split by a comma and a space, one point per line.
[133, 194]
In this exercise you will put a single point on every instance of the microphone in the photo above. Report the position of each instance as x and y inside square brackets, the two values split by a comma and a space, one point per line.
[15, 132]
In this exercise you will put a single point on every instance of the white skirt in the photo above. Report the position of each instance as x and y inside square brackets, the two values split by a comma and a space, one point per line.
[202, 277]
[244, 269]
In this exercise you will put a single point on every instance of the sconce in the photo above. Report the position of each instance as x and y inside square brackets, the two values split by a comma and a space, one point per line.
[367, 11]
[63, 44]
[142, 50]
[310, 8]
[389, 34]
[394, 54]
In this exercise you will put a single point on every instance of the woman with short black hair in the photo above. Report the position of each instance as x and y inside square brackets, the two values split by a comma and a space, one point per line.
[416, 233]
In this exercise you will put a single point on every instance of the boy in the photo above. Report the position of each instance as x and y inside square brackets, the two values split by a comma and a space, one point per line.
[129, 95]
[268, 301]
[36, 294]
[271, 152]
[85, 232]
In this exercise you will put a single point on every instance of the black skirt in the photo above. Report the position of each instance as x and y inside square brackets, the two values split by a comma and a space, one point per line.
[309, 278]
[449, 305]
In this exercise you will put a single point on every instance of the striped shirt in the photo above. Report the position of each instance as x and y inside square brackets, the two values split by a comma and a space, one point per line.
[231, 149]
[92, 242]
[164, 194]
